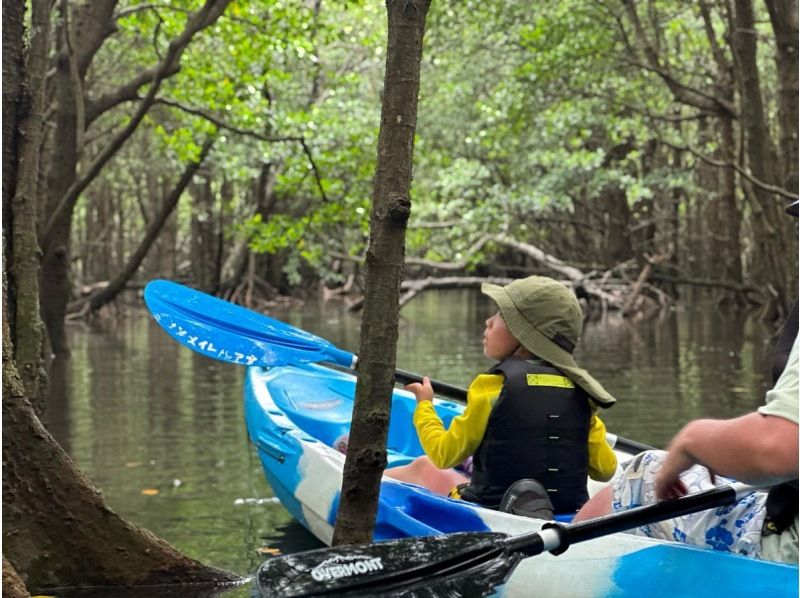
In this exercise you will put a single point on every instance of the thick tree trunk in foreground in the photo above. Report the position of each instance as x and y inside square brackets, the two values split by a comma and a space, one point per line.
[391, 207]
[22, 109]
[57, 531]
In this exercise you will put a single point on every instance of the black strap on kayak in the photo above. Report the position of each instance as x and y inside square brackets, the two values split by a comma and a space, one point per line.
[782, 508]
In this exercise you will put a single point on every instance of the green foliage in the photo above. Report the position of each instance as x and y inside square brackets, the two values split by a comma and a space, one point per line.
[529, 113]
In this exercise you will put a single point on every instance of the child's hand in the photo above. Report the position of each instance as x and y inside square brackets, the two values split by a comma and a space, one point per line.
[422, 392]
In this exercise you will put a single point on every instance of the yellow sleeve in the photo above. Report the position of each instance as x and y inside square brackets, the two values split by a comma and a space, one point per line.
[602, 460]
[447, 448]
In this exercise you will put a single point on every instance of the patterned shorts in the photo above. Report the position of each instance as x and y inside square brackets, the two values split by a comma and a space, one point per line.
[734, 528]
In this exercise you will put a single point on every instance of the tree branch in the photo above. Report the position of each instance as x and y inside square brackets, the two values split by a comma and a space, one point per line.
[126, 92]
[682, 92]
[99, 298]
[250, 133]
[126, 12]
[738, 168]
[198, 21]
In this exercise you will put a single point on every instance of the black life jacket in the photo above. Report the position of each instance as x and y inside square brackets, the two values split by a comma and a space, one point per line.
[537, 429]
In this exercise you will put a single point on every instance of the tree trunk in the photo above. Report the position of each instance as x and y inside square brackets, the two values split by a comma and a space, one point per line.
[89, 25]
[25, 116]
[57, 531]
[616, 225]
[391, 207]
[783, 15]
[672, 213]
[263, 193]
[770, 265]
[204, 238]
[697, 258]
[725, 248]
[100, 298]
[615, 212]
[165, 263]
[13, 89]
[96, 236]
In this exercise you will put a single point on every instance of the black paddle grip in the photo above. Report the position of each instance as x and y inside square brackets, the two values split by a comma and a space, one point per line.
[440, 388]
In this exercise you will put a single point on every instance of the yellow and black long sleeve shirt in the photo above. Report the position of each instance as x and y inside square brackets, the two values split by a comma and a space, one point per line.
[448, 447]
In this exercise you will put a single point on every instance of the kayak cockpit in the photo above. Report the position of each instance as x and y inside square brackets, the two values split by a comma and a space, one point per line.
[319, 401]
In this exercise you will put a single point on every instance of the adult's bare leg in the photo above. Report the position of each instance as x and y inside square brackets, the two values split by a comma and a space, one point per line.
[597, 506]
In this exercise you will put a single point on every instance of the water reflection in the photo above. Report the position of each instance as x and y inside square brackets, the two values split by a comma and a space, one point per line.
[160, 429]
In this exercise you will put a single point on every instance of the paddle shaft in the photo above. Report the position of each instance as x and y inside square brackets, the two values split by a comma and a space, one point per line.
[442, 388]
[556, 537]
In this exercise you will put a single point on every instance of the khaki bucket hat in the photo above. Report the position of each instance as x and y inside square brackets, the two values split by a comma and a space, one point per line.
[546, 318]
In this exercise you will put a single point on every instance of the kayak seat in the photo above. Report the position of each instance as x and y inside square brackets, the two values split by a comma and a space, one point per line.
[321, 406]
[408, 510]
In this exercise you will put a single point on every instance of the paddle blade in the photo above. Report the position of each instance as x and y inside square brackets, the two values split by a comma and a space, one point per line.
[225, 331]
[464, 564]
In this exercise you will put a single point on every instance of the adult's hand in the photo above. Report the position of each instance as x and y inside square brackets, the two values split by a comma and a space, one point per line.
[754, 449]
[668, 482]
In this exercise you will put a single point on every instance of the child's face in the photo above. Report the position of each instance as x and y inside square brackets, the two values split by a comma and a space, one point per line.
[498, 343]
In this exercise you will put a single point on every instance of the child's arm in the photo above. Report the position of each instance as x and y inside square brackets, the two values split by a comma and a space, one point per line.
[602, 460]
[447, 448]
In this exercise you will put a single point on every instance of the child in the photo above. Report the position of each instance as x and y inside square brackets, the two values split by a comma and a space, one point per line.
[531, 416]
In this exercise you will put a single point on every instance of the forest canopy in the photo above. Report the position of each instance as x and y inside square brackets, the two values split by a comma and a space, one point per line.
[629, 141]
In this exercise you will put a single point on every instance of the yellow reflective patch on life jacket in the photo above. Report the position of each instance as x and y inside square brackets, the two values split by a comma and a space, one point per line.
[550, 380]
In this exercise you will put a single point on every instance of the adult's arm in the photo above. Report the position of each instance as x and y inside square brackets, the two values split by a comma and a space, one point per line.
[757, 449]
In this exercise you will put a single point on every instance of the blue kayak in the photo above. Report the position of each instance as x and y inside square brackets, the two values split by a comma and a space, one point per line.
[294, 416]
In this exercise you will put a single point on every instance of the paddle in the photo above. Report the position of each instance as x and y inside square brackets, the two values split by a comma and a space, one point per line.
[225, 331]
[231, 333]
[451, 562]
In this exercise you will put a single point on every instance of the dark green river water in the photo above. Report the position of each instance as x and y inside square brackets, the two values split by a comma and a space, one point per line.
[160, 430]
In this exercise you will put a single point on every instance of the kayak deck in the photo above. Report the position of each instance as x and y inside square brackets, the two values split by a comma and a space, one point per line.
[295, 413]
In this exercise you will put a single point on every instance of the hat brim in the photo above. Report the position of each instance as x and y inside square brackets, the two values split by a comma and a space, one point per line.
[541, 346]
